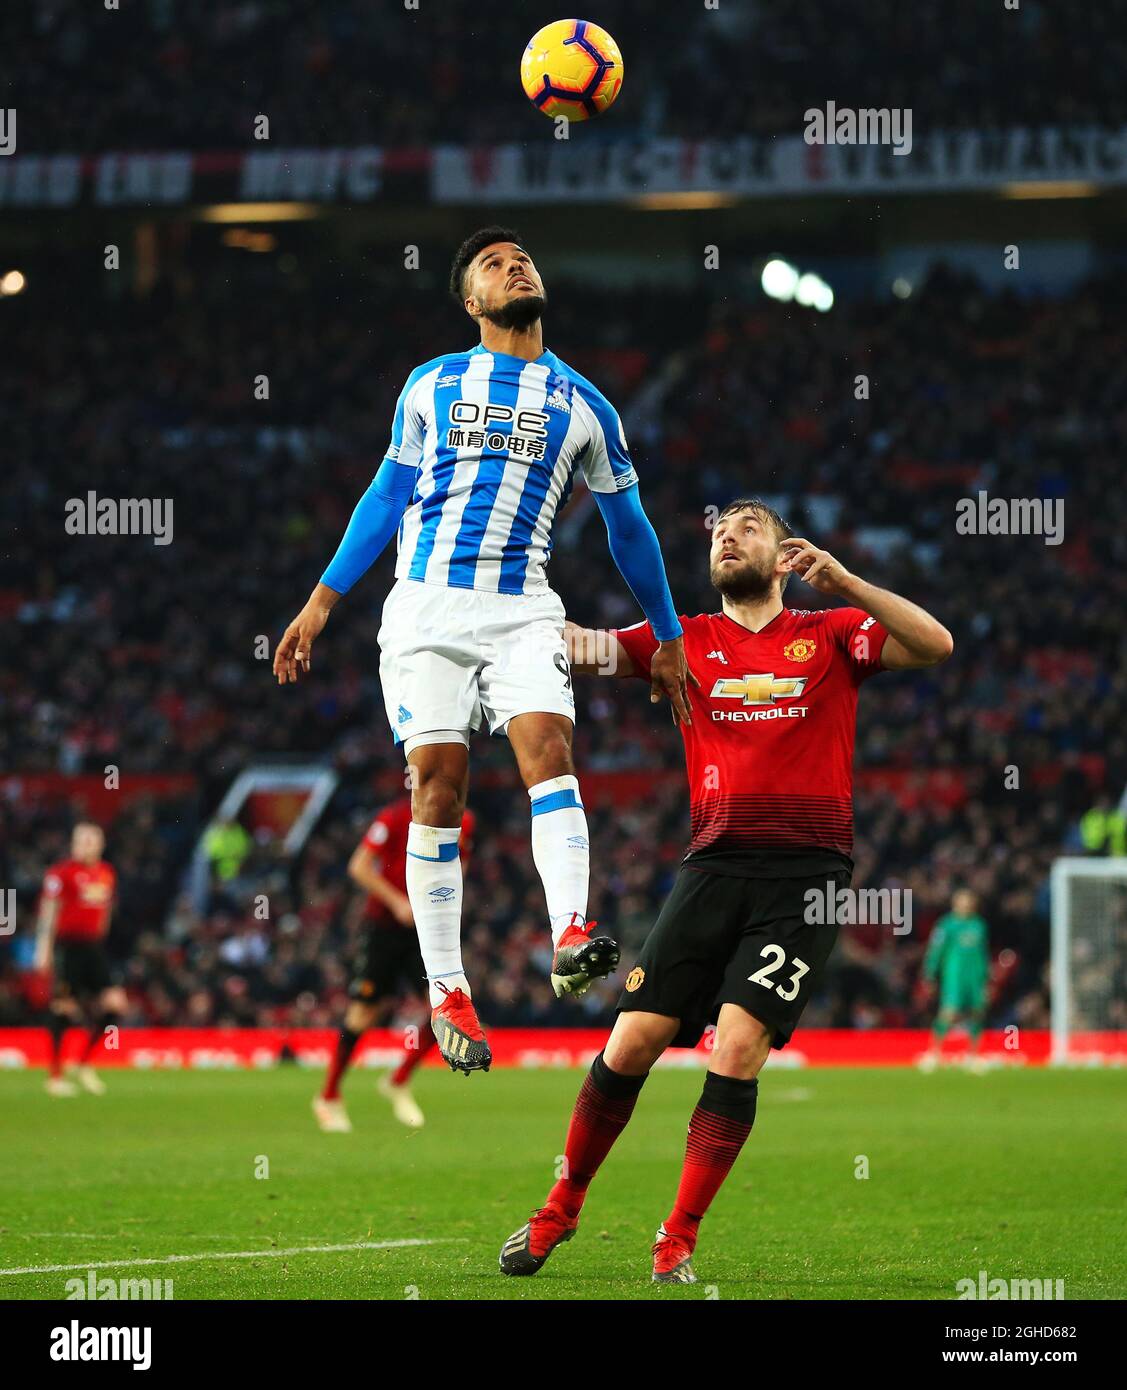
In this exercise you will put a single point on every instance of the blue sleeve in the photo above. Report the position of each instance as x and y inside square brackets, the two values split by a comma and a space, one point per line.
[635, 550]
[373, 524]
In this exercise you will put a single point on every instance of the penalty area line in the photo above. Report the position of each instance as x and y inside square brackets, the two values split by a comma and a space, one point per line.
[222, 1255]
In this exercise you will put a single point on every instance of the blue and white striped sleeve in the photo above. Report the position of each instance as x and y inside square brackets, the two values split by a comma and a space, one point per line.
[634, 547]
[407, 425]
[380, 510]
[606, 463]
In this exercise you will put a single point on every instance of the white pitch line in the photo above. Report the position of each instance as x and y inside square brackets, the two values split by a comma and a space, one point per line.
[221, 1255]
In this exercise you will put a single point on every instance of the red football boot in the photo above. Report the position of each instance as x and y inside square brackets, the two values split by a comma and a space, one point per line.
[459, 1034]
[526, 1250]
[672, 1259]
[581, 959]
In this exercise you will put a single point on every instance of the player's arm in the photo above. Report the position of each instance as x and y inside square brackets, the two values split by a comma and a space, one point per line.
[983, 949]
[635, 550]
[374, 522]
[634, 546]
[914, 638]
[933, 956]
[45, 932]
[363, 872]
[111, 907]
[596, 652]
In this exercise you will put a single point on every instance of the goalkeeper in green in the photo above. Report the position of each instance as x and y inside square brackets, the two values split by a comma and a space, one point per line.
[959, 958]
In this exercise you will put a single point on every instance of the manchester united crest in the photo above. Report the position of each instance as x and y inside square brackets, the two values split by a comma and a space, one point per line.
[802, 649]
[634, 979]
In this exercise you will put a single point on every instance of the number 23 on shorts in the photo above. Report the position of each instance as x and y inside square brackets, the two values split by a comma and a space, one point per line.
[776, 958]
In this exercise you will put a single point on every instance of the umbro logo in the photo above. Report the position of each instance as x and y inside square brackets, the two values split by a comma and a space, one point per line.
[557, 401]
[717, 656]
[442, 894]
[578, 842]
[444, 381]
[403, 715]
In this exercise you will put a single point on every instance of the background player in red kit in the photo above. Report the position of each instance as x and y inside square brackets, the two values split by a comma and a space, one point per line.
[74, 920]
[389, 959]
[769, 755]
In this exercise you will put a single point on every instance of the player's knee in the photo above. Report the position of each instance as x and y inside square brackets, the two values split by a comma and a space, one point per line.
[360, 1017]
[547, 755]
[437, 798]
[632, 1056]
[636, 1043]
[741, 1049]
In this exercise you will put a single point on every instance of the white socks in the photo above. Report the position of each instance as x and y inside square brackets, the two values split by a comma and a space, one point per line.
[434, 886]
[561, 850]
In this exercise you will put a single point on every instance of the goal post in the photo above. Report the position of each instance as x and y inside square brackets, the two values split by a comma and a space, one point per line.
[1088, 965]
[303, 790]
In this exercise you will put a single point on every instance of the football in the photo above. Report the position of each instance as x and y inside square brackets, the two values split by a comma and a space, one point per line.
[571, 68]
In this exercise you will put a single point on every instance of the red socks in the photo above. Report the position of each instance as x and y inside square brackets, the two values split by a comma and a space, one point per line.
[606, 1102]
[720, 1124]
[346, 1044]
[718, 1129]
[56, 1028]
[412, 1056]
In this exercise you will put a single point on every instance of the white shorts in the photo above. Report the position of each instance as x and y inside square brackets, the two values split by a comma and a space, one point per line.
[450, 656]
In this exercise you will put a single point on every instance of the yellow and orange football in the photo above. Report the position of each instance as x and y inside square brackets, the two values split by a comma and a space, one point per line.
[571, 68]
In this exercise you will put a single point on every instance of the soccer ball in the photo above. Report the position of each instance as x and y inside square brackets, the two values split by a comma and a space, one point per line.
[571, 68]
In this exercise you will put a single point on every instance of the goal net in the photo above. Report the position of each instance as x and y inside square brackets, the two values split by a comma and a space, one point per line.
[1089, 960]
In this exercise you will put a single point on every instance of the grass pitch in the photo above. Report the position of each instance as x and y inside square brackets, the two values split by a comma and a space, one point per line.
[1018, 1173]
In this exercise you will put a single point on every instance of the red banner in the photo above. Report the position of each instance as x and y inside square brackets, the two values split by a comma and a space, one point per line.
[524, 1047]
[88, 791]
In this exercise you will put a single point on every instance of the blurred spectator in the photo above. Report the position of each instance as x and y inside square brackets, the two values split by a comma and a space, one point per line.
[1103, 828]
[226, 845]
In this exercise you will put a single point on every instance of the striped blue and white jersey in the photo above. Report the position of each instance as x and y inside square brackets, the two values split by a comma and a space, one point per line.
[496, 442]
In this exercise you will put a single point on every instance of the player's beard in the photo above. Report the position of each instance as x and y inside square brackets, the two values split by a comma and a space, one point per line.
[520, 313]
[743, 581]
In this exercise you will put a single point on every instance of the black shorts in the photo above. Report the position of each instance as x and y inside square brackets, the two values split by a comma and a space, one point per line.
[720, 939]
[82, 968]
[387, 963]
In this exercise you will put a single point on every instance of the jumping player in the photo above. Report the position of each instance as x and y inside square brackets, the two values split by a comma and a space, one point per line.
[388, 961]
[769, 754]
[485, 446]
[74, 918]
[958, 956]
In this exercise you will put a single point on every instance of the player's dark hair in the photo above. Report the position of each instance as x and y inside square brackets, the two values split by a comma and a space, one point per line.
[471, 247]
[765, 513]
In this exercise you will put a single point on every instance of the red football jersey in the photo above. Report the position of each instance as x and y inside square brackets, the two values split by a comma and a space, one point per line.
[769, 753]
[85, 895]
[387, 839]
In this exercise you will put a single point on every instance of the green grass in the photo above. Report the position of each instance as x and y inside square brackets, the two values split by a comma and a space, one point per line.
[1018, 1172]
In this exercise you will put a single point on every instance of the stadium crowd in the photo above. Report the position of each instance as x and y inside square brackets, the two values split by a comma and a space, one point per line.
[174, 75]
[142, 656]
